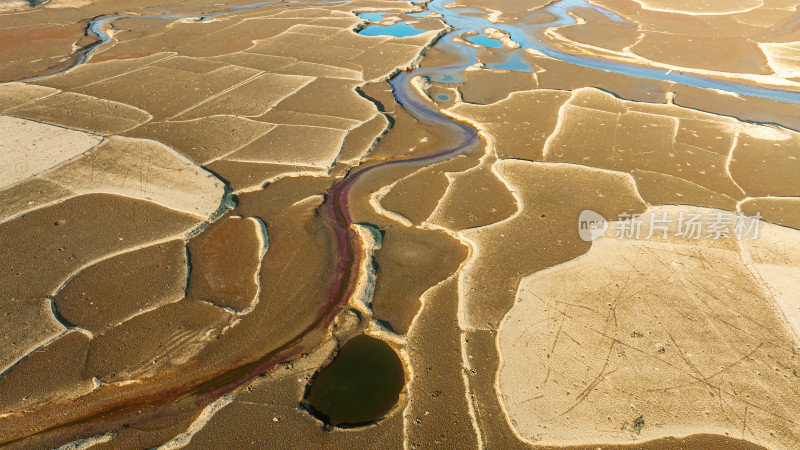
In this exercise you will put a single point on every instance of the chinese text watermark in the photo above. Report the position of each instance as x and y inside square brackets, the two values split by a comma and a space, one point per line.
[682, 224]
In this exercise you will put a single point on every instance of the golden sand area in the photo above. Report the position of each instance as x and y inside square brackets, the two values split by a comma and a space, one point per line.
[222, 212]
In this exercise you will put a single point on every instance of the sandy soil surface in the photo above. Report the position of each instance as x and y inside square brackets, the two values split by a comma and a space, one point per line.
[202, 204]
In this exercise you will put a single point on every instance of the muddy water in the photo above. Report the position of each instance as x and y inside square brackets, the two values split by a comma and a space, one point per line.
[360, 386]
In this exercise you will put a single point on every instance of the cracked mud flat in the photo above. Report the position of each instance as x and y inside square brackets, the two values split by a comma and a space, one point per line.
[217, 221]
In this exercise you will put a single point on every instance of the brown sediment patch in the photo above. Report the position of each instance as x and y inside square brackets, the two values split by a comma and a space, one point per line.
[192, 38]
[438, 410]
[15, 94]
[289, 144]
[505, 10]
[161, 83]
[155, 343]
[249, 176]
[113, 290]
[204, 140]
[475, 198]
[766, 162]
[83, 112]
[320, 70]
[360, 141]
[225, 260]
[663, 189]
[780, 210]
[95, 72]
[486, 86]
[703, 52]
[50, 374]
[332, 97]
[599, 130]
[596, 28]
[375, 61]
[416, 196]
[253, 98]
[561, 75]
[519, 124]
[407, 136]
[69, 235]
[288, 117]
[613, 361]
[25, 325]
[51, 43]
[410, 262]
[267, 63]
[300, 246]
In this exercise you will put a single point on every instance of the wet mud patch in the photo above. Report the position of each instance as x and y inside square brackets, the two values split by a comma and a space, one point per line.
[360, 386]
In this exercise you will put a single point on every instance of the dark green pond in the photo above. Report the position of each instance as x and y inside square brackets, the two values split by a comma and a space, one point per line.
[360, 386]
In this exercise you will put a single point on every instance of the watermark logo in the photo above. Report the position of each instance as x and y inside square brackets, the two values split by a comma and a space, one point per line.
[591, 225]
[684, 225]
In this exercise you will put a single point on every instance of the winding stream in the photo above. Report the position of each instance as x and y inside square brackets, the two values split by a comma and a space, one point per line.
[462, 138]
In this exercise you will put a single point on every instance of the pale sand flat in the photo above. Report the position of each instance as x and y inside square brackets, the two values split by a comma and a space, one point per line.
[702, 8]
[550, 197]
[142, 169]
[776, 257]
[29, 148]
[783, 58]
[654, 329]
[15, 6]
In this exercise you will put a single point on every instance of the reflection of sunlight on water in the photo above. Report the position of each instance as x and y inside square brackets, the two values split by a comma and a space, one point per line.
[399, 30]
[528, 35]
[443, 97]
[515, 63]
[372, 16]
[485, 41]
